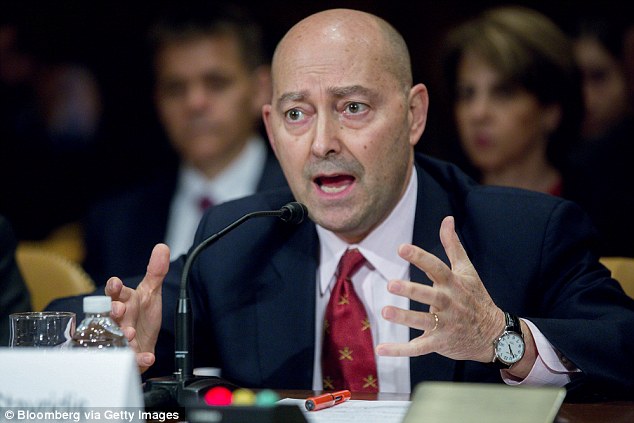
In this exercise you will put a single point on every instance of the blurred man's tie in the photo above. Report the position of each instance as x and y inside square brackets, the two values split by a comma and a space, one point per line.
[348, 360]
[204, 203]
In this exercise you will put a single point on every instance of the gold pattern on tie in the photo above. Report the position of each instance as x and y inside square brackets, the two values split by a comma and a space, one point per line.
[348, 360]
[326, 327]
[328, 384]
[370, 381]
[345, 354]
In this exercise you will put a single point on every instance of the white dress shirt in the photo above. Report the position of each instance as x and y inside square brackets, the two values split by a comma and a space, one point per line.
[239, 179]
[370, 283]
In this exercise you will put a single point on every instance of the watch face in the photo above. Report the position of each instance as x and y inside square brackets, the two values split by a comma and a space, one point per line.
[510, 348]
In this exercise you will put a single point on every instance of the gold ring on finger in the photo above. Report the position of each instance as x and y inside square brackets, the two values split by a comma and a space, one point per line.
[435, 322]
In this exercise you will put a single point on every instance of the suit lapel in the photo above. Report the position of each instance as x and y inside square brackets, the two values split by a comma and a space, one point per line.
[287, 342]
[272, 175]
[432, 205]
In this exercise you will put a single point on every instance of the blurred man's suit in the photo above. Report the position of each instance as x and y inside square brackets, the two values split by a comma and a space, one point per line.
[122, 230]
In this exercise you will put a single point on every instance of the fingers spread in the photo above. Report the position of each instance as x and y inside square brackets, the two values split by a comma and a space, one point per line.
[129, 333]
[412, 319]
[113, 289]
[414, 291]
[415, 347]
[434, 267]
[119, 292]
[118, 310]
[158, 266]
[144, 361]
[453, 247]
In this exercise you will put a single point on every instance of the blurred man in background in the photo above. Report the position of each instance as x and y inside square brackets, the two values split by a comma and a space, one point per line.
[211, 80]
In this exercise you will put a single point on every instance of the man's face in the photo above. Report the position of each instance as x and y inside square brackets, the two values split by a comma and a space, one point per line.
[604, 87]
[341, 127]
[207, 99]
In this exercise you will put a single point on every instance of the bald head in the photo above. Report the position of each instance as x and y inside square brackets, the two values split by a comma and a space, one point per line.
[344, 118]
[346, 30]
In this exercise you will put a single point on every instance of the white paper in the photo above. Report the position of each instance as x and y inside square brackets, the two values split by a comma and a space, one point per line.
[355, 411]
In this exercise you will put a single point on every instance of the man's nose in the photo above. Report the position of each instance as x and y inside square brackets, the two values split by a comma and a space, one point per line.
[327, 137]
[197, 98]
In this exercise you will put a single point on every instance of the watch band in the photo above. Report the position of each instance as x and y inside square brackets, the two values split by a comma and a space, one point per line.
[512, 324]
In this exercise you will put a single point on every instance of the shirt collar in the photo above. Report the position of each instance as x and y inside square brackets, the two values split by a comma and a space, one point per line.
[380, 247]
[239, 179]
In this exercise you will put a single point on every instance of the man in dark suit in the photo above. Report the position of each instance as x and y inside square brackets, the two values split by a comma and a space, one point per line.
[439, 307]
[14, 296]
[211, 80]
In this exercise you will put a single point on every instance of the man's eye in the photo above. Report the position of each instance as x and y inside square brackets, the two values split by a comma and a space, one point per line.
[217, 84]
[294, 115]
[172, 89]
[354, 108]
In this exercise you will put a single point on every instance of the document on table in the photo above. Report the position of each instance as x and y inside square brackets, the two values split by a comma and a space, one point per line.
[355, 411]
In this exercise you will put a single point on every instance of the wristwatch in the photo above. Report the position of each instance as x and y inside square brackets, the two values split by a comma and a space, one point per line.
[509, 347]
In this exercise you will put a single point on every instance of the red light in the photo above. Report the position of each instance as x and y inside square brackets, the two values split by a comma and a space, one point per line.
[218, 395]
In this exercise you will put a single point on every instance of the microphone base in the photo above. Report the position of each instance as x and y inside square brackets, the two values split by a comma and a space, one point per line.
[170, 392]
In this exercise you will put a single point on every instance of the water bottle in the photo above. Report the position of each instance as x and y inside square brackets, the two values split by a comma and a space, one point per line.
[98, 329]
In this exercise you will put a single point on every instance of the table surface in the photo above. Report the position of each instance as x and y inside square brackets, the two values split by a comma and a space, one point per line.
[601, 412]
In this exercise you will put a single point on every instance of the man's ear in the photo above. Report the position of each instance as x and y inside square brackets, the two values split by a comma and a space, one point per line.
[261, 87]
[418, 106]
[266, 117]
[551, 118]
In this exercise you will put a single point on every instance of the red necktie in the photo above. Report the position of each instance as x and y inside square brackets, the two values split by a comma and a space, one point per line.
[347, 356]
[204, 203]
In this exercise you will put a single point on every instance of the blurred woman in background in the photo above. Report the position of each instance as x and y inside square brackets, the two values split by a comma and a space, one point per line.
[517, 97]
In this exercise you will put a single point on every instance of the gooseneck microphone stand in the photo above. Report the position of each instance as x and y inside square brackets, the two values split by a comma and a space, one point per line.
[183, 388]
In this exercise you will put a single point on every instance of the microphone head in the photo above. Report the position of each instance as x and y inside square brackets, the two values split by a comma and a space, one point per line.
[294, 213]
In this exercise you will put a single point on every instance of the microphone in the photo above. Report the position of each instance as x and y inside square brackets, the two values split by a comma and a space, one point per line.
[185, 388]
[294, 213]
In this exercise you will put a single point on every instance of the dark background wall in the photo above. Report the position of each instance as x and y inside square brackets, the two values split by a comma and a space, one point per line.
[109, 37]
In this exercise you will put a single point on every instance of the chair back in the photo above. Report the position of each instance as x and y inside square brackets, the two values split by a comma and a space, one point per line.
[66, 240]
[49, 275]
[622, 269]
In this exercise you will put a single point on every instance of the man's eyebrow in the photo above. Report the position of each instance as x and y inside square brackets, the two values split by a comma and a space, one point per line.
[338, 92]
[292, 96]
[341, 92]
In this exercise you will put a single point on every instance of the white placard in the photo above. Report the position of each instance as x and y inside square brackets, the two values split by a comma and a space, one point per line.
[89, 386]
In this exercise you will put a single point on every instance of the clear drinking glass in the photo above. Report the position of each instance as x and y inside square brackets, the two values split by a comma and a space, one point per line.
[42, 329]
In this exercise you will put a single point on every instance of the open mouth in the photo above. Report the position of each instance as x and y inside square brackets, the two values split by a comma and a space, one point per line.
[334, 184]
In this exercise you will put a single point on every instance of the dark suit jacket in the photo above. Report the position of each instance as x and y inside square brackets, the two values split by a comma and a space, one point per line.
[253, 292]
[14, 296]
[121, 231]
[600, 179]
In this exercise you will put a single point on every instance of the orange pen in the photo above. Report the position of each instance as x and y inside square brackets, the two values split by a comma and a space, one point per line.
[327, 400]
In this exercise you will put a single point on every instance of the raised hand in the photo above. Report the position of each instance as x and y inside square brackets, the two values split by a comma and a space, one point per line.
[138, 311]
[462, 320]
